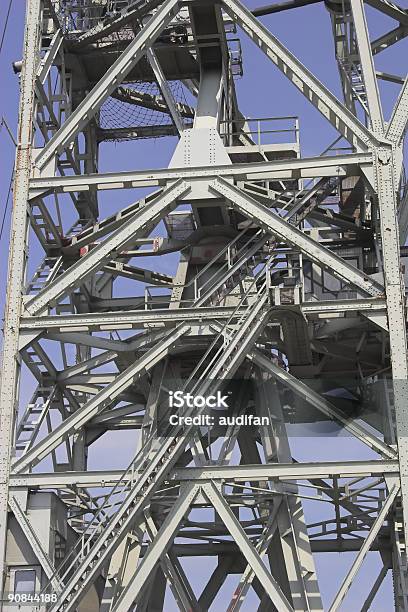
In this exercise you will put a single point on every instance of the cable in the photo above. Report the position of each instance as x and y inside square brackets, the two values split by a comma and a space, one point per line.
[7, 203]
[5, 25]
[10, 133]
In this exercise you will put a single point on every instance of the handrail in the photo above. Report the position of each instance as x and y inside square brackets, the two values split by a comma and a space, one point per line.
[193, 282]
[259, 119]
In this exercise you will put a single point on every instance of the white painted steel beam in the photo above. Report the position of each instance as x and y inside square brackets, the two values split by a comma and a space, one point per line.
[251, 555]
[368, 69]
[165, 89]
[297, 168]
[160, 317]
[16, 275]
[399, 119]
[156, 549]
[232, 473]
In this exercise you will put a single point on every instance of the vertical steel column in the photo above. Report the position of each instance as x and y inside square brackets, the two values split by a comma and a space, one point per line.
[395, 296]
[17, 263]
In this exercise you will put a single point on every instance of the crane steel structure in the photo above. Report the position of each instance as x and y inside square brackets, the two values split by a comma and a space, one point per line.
[288, 296]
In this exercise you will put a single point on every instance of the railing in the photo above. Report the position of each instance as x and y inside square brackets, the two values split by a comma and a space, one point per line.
[229, 255]
[261, 131]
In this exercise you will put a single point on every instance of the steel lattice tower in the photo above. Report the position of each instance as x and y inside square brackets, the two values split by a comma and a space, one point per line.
[288, 291]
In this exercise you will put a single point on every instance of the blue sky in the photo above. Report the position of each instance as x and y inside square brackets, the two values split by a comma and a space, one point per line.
[262, 92]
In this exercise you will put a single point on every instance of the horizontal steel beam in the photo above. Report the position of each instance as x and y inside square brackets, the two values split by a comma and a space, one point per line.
[138, 319]
[231, 548]
[135, 319]
[236, 473]
[333, 306]
[284, 169]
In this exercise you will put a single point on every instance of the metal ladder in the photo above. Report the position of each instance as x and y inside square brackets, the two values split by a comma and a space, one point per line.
[45, 397]
[47, 231]
[34, 415]
[355, 78]
[86, 232]
[146, 473]
[47, 271]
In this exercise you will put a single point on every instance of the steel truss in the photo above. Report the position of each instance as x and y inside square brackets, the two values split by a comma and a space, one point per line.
[288, 283]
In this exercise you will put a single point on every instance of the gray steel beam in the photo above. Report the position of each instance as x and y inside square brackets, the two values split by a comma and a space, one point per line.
[261, 547]
[389, 8]
[384, 168]
[390, 38]
[374, 590]
[215, 582]
[399, 120]
[137, 319]
[251, 555]
[156, 549]
[368, 69]
[165, 89]
[88, 364]
[307, 167]
[232, 473]
[230, 548]
[49, 57]
[173, 571]
[134, 319]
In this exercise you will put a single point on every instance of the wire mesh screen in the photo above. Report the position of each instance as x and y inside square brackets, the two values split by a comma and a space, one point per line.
[117, 114]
